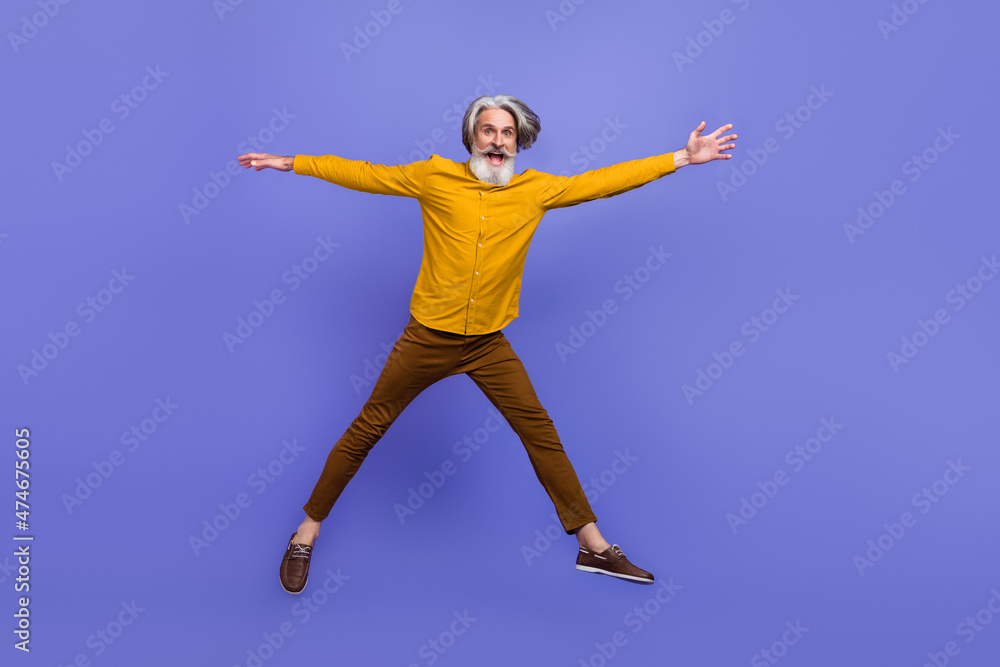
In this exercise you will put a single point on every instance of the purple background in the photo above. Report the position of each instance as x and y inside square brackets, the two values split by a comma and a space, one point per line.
[609, 86]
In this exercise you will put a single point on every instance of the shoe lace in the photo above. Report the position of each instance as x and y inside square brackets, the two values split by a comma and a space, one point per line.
[301, 551]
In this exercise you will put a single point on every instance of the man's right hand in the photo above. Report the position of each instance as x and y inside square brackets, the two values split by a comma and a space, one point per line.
[262, 161]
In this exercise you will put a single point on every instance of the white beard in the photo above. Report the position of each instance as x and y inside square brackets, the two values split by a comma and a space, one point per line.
[488, 173]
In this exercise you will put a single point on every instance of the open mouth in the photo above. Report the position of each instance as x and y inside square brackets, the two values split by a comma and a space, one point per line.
[496, 159]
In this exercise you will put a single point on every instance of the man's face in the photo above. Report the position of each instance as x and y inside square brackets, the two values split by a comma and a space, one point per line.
[495, 146]
[495, 129]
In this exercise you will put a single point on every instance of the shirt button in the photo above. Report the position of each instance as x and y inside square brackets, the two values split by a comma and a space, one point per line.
[477, 273]
[472, 300]
[482, 217]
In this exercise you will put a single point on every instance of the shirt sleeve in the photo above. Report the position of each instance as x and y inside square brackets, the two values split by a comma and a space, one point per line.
[405, 180]
[565, 191]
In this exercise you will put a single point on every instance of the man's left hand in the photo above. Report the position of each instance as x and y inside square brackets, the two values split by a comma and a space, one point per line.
[701, 149]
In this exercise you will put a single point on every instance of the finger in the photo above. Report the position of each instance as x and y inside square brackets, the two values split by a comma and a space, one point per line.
[721, 130]
[252, 159]
[731, 137]
[247, 160]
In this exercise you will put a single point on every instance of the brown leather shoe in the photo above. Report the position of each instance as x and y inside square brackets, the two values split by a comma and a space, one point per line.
[612, 562]
[295, 566]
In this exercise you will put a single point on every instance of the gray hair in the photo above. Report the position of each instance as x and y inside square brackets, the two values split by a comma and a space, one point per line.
[526, 121]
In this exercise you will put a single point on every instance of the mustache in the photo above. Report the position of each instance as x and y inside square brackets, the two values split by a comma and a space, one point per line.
[492, 149]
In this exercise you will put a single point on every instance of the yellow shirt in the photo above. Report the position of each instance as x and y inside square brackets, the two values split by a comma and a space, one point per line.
[476, 235]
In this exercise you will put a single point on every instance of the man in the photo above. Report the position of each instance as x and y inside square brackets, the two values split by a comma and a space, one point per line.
[478, 220]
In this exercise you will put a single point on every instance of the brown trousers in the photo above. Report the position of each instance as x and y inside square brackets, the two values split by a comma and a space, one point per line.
[420, 358]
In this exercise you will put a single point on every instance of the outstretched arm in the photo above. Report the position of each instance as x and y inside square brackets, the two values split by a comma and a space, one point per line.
[401, 180]
[702, 149]
[625, 176]
[262, 161]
